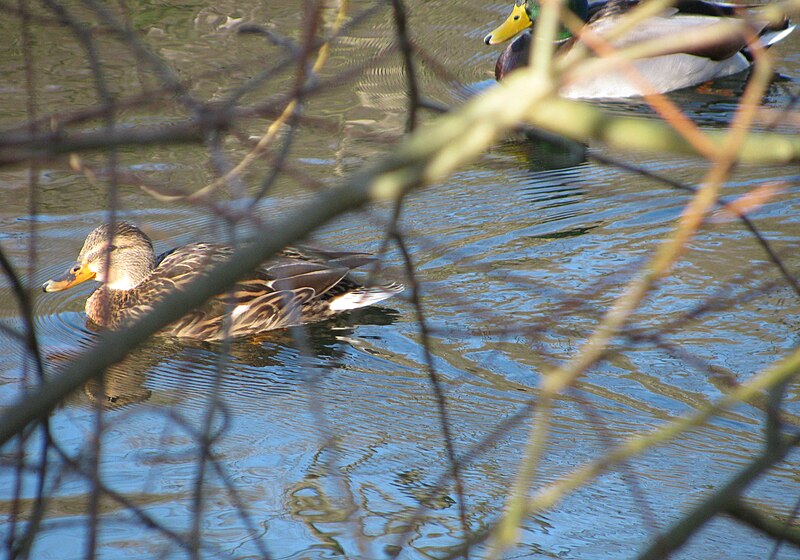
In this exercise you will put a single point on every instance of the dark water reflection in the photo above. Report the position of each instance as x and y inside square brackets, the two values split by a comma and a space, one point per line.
[331, 435]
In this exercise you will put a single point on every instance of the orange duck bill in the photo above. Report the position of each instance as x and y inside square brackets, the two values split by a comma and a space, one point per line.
[74, 276]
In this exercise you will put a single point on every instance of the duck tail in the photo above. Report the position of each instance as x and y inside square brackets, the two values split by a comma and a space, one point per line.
[362, 297]
[771, 37]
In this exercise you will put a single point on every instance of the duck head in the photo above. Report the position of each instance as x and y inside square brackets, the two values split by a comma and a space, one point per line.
[121, 260]
[523, 16]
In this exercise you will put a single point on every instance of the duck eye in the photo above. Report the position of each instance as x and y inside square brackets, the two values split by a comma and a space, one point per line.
[75, 269]
[516, 18]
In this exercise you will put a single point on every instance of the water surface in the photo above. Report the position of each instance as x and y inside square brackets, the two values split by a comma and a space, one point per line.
[331, 436]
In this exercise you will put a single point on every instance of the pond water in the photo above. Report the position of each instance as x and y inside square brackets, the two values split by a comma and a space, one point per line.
[333, 441]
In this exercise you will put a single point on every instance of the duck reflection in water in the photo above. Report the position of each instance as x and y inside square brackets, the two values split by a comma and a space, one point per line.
[267, 364]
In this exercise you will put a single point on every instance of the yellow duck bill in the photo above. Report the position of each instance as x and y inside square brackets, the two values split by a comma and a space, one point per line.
[516, 22]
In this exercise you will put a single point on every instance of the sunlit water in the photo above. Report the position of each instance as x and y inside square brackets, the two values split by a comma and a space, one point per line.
[332, 440]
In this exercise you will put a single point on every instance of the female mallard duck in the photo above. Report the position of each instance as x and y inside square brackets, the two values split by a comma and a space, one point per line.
[676, 70]
[296, 286]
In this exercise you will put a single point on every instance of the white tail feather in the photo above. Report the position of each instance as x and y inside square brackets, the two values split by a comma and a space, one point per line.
[362, 298]
[772, 37]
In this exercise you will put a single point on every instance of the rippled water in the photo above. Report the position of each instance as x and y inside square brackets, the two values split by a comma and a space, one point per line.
[332, 439]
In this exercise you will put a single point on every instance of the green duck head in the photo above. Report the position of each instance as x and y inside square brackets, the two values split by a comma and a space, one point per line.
[523, 16]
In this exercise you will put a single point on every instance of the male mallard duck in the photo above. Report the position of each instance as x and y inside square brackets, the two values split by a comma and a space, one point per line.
[296, 286]
[704, 61]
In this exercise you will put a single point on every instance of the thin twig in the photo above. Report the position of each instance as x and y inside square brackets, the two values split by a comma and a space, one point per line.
[407, 51]
[436, 385]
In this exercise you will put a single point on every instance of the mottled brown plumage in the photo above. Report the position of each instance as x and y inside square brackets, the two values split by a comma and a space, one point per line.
[299, 285]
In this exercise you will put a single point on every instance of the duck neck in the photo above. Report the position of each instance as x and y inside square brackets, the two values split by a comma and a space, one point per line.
[138, 266]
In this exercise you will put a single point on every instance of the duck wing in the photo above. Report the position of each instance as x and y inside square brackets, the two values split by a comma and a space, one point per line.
[349, 259]
[271, 297]
[174, 269]
[297, 286]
